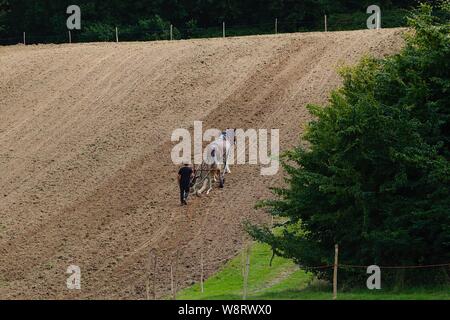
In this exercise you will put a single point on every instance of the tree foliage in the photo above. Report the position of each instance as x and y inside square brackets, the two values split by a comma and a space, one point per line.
[375, 177]
[4, 8]
[49, 17]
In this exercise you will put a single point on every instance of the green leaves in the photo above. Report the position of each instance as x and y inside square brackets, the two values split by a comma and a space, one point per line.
[375, 178]
[249, 16]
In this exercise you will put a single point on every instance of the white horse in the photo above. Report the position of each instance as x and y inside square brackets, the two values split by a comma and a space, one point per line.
[218, 152]
[218, 161]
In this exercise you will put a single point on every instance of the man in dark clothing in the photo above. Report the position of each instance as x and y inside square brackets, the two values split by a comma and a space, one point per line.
[184, 180]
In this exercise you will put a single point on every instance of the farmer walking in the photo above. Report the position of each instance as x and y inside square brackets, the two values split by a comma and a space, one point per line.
[185, 174]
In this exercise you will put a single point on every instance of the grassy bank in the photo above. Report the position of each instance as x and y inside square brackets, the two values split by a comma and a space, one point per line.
[283, 280]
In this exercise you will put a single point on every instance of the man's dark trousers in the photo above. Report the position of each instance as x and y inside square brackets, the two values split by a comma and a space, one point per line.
[184, 192]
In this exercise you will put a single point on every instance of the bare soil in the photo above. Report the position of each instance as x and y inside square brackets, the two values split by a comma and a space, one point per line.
[86, 176]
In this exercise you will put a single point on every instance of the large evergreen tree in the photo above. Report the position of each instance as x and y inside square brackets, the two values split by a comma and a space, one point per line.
[375, 178]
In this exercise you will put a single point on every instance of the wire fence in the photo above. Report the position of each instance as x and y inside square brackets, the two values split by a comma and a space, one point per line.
[350, 266]
[431, 266]
[171, 32]
[171, 271]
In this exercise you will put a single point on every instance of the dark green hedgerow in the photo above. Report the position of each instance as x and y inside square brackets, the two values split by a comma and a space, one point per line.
[375, 178]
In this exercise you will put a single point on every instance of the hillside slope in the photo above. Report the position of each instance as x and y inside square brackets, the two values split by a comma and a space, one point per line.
[85, 171]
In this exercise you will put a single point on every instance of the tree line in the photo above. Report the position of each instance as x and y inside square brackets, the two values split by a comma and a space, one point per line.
[49, 17]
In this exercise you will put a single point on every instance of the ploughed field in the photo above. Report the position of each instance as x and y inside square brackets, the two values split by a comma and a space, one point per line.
[86, 176]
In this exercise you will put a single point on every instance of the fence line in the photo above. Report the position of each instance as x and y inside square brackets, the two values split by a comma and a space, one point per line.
[246, 268]
[349, 266]
[431, 266]
[132, 33]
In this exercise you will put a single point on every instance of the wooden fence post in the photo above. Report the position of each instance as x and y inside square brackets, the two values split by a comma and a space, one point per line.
[224, 31]
[70, 37]
[276, 25]
[24, 38]
[326, 23]
[147, 288]
[155, 262]
[335, 272]
[172, 287]
[171, 32]
[247, 271]
[147, 277]
[173, 274]
[117, 34]
[202, 273]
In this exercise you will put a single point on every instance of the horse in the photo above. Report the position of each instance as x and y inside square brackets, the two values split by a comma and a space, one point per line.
[218, 152]
[203, 179]
[206, 185]
[216, 164]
